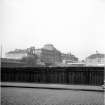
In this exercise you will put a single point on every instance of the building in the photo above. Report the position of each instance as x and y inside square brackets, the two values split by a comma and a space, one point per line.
[16, 54]
[20, 53]
[48, 54]
[97, 59]
[12, 63]
[27, 56]
[69, 58]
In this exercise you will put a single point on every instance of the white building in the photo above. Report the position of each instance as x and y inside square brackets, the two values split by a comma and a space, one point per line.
[97, 59]
[16, 54]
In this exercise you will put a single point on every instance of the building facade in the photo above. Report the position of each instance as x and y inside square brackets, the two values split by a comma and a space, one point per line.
[69, 58]
[97, 59]
[48, 54]
[16, 54]
[20, 53]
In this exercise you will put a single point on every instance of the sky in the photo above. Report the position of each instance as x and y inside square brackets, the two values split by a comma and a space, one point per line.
[76, 26]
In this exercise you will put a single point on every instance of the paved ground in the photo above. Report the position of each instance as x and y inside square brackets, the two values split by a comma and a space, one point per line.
[28, 96]
[54, 86]
[35, 96]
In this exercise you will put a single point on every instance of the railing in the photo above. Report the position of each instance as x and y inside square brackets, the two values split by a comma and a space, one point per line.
[58, 75]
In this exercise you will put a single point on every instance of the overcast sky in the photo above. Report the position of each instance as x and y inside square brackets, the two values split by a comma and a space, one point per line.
[76, 26]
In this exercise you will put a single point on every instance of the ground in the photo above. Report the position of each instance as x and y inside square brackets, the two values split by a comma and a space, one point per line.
[33, 96]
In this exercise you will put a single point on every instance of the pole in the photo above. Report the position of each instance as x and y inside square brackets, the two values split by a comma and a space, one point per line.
[1, 51]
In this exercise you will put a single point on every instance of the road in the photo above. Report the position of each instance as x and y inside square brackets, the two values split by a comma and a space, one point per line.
[34, 96]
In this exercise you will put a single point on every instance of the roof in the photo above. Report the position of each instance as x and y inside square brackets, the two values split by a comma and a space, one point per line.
[17, 51]
[97, 55]
[49, 47]
[69, 56]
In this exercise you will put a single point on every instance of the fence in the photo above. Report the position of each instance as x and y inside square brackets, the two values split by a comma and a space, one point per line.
[59, 75]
